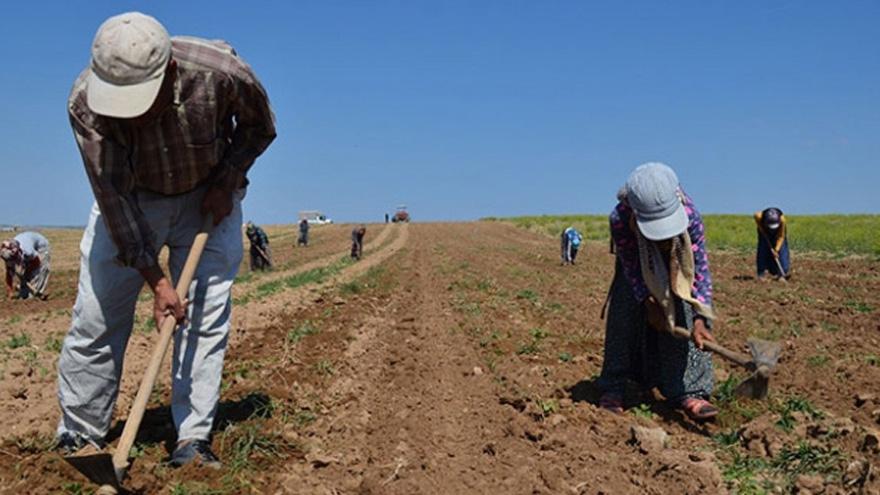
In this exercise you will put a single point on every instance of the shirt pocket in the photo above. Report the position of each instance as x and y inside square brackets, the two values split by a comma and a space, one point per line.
[201, 138]
[198, 123]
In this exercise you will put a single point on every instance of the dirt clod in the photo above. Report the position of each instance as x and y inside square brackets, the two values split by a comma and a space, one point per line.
[648, 440]
[809, 484]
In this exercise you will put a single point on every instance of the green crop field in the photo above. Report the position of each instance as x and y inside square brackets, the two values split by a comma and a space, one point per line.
[838, 235]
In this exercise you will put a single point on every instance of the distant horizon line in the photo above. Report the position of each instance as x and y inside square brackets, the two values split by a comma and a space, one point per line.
[23, 226]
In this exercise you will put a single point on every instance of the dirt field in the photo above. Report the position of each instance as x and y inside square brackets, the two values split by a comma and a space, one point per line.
[461, 358]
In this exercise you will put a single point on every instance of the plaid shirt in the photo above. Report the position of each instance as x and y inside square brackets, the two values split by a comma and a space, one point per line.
[218, 123]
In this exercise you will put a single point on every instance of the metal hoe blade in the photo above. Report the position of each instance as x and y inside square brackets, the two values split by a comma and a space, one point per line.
[765, 356]
[94, 464]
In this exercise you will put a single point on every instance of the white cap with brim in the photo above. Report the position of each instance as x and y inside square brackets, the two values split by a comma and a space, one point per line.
[130, 55]
[652, 192]
[664, 228]
[122, 102]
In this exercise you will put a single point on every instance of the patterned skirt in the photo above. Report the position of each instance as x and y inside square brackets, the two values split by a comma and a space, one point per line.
[635, 351]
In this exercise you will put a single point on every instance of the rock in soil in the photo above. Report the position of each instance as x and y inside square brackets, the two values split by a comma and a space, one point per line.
[871, 441]
[648, 439]
[863, 398]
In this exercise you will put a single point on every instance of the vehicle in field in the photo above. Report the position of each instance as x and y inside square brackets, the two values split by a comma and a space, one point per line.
[314, 217]
[401, 215]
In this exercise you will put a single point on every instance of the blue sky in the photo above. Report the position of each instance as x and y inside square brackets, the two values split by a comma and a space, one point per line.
[463, 109]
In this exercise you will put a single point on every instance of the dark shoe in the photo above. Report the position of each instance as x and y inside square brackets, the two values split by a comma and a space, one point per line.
[70, 443]
[195, 450]
[611, 401]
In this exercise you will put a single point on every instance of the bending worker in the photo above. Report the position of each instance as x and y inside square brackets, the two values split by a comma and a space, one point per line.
[27, 258]
[772, 256]
[661, 279]
[357, 241]
[261, 253]
[168, 129]
[570, 241]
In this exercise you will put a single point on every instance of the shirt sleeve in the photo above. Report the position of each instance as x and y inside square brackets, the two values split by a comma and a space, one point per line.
[780, 237]
[626, 244]
[112, 181]
[254, 127]
[702, 288]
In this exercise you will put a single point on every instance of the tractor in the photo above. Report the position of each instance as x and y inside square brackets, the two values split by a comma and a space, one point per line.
[401, 215]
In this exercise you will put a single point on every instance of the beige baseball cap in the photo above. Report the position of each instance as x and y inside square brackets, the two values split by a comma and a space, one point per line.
[129, 57]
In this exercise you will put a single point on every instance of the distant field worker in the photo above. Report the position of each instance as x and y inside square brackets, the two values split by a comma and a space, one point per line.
[357, 241]
[303, 239]
[773, 256]
[261, 253]
[570, 241]
[27, 258]
[661, 279]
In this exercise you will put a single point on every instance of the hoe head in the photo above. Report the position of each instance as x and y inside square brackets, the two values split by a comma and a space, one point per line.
[764, 355]
[97, 465]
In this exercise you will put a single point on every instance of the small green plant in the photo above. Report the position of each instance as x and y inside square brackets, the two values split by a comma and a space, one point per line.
[300, 332]
[807, 458]
[829, 327]
[791, 405]
[350, 288]
[528, 348]
[324, 367]
[12, 320]
[30, 358]
[548, 406]
[75, 488]
[859, 306]
[565, 357]
[534, 345]
[872, 360]
[539, 334]
[727, 438]
[20, 340]
[527, 294]
[304, 417]
[53, 345]
[642, 411]
[818, 360]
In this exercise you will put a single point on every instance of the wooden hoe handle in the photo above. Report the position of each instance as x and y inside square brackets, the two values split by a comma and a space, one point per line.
[736, 357]
[136, 414]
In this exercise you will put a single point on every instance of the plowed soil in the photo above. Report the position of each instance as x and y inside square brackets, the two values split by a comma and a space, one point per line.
[461, 358]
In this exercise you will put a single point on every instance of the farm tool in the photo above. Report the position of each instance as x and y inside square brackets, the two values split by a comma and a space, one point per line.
[761, 361]
[102, 467]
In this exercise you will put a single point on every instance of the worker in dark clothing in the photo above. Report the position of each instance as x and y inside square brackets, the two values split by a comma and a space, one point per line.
[357, 241]
[303, 239]
[773, 257]
[261, 253]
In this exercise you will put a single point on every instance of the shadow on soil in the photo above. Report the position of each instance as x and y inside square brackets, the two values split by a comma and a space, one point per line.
[158, 425]
[588, 391]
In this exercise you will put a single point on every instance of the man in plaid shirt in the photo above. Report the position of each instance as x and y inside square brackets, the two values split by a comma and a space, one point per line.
[167, 129]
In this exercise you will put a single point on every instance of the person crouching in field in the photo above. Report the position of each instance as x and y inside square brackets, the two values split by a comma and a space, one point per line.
[570, 243]
[661, 279]
[357, 241]
[261, 253]
[303, 239]
[27, 258]
[772, 257]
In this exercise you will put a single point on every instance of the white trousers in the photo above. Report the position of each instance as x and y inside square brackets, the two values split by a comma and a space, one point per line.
[91, 360]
